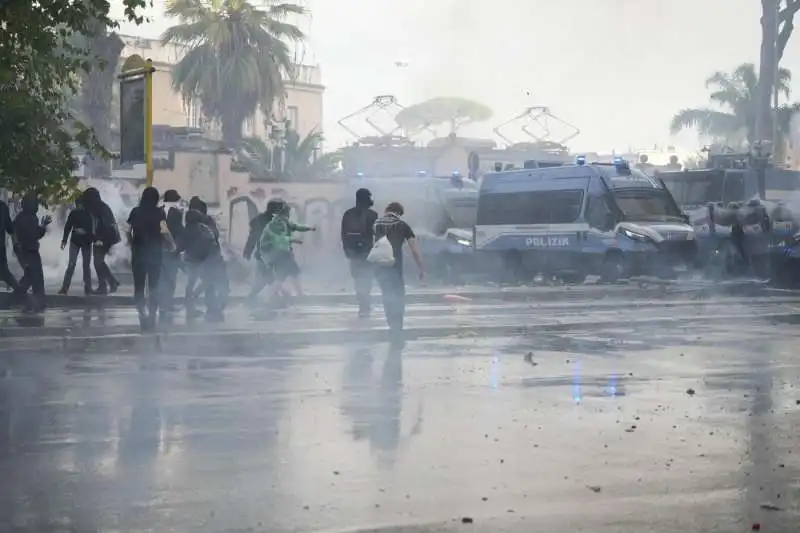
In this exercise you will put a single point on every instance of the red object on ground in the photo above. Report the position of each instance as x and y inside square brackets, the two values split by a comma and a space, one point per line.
[456, 298]
[756, 527]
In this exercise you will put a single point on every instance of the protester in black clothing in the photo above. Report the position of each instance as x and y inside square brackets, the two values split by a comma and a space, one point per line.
[28, 231]
[204, 256]
[194, 285]
[106, 235]
[6, 228]
[357, 239]
[264, 276]
[171, 260]
[148, 231]
[390, 278]
[78, 231]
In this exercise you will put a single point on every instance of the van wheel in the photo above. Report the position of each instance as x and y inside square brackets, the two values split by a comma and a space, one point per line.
[613, 268]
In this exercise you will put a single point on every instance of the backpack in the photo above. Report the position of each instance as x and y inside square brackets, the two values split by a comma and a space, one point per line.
[202, 242]
[382, 254]
[107, 228]
[356, 236]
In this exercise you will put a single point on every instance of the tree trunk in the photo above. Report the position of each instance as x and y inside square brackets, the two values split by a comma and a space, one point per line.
[98, 89]
[766, 77]
[231, 130]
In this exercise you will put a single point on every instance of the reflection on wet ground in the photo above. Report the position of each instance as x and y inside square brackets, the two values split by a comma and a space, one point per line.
[661, 428]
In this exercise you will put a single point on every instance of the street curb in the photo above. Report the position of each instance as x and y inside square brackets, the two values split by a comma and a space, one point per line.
[232, 342]
[31, 327]
[548, 293]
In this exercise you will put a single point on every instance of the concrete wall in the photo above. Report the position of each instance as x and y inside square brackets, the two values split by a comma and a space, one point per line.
[233, 199]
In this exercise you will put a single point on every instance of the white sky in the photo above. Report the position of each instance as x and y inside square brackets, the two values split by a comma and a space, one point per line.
[618, 69]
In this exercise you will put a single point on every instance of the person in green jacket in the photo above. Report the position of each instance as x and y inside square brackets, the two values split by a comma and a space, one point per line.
[275, 247]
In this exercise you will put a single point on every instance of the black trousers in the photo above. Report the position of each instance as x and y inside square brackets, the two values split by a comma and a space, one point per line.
[393, 292]
[213, 279]
[5, 273]
[85, 251]
[33, 277]
[146, 266]
[104, 276]
[362, 272]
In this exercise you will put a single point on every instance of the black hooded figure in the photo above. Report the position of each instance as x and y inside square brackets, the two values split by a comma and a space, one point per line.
[28, 231]
[263, 276]
[6, 228]
[106, 235]
[78, 232]
[358, 236]
[206, 264]
[148, 230]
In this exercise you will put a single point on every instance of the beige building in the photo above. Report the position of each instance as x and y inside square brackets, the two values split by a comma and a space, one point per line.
[303, 105]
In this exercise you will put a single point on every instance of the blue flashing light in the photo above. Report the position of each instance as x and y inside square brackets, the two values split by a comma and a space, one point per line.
[422, 173]
[456, 174]
[359, 174]
[619, 161]
[581, 160]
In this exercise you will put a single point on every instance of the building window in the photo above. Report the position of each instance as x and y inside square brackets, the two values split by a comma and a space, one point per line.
[194, 117]
[292, 117]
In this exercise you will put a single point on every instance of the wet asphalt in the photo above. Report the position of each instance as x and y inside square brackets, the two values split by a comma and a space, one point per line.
[611, 410]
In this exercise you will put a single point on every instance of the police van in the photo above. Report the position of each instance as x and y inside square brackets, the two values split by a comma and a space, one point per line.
[583, 219]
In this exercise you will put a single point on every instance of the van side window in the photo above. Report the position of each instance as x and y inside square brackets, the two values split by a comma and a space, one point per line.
[535, 207]
[597, 212]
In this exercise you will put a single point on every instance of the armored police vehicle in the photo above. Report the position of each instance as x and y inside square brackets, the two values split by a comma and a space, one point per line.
[578, 220]
[739, 230]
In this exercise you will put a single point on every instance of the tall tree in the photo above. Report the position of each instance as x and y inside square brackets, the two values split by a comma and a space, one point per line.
[734, 98]
[453, 111]
[40, 69]
[97, 89]
[238, 56]
[777, 26]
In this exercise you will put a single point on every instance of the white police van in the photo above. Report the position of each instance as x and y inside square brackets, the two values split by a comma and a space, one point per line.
[578, 220]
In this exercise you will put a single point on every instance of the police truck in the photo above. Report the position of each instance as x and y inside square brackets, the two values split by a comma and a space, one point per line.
[577, 220]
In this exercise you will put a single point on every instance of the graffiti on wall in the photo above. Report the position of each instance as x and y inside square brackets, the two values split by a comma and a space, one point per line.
[308, 207]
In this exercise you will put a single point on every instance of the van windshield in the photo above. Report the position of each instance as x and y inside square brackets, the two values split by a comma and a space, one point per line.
[695, 190]
[647, 204]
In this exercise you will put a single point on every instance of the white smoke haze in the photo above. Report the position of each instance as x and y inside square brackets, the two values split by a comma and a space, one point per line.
[55, 260]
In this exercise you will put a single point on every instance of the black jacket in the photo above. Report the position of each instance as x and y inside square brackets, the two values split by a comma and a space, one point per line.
[257, 225]
[6, 224]
[79, 227]
[27, 229]
[176, 227]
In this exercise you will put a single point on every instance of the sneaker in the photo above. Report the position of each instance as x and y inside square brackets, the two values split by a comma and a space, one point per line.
[62, 291]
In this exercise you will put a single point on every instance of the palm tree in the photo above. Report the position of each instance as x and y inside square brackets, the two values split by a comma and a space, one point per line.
[731, 118]
[237, 56]
[300, 158]
[255, 157]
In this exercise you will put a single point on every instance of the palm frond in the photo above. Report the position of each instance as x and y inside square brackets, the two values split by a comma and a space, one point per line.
[187, 10]
[706, 121]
